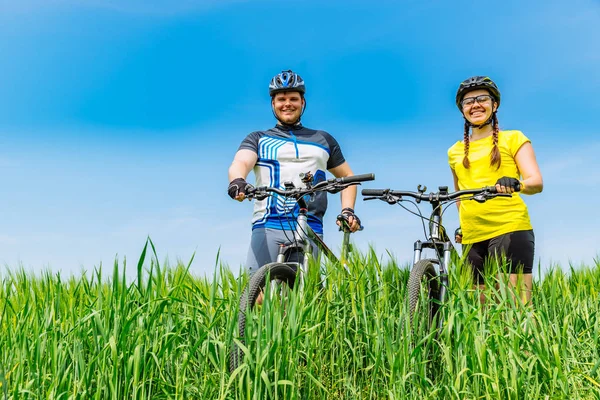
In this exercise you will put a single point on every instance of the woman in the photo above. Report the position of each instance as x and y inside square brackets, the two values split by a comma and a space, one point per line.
[488, 156]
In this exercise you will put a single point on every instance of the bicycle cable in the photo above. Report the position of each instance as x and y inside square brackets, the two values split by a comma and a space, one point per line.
[430, 220]
[420, 215]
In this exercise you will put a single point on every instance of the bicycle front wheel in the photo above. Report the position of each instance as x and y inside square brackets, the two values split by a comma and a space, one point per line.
[424, 285]
[273, 272]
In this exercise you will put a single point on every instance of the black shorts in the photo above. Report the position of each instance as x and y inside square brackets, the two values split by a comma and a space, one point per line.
[518, 247]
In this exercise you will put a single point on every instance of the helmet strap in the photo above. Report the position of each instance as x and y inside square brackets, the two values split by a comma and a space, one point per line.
[489, 121]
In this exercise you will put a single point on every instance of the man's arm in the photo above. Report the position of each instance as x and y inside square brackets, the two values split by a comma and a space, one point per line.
[348, 195]
[242, 164]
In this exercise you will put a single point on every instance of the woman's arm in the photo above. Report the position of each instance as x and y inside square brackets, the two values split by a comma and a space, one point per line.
[532, 182]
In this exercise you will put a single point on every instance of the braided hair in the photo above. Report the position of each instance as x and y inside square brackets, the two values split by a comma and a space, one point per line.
[495, 158]
[466, 162]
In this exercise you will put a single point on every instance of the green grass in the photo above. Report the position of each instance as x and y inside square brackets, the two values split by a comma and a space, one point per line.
[167, 335]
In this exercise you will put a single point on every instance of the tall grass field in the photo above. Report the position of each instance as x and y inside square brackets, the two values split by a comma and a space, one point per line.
[167, 335]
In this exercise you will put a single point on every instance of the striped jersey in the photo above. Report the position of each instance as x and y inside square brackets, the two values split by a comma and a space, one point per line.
[284, 153]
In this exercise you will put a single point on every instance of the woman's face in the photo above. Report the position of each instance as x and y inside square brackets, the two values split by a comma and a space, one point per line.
[478, 106]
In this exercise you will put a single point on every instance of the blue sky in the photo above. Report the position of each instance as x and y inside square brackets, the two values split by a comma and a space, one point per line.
[118, 120]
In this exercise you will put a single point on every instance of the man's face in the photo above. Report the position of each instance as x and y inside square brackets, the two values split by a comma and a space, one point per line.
[288, 106]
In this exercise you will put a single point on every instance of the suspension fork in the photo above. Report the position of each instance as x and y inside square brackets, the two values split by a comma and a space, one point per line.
[444, 266]
[418, 251]
[445, 248]
[301, 236]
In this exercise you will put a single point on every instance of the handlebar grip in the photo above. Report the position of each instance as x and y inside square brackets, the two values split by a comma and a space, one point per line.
[357, 178]
[344, 222]
[373, 192]
[253, 192]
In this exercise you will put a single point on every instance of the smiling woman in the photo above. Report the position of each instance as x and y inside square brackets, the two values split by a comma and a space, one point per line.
[488, 157]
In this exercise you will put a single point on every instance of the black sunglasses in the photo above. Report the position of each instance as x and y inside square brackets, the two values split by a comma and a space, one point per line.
[469, 101]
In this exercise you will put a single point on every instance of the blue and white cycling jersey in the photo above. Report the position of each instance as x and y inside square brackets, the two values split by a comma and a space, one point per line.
[284, 153]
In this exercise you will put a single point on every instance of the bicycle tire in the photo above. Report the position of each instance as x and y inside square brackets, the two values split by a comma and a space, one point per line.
[258, 281]
[424, 272]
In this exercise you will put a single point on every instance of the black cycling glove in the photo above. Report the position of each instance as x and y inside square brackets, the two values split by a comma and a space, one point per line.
[349, 212]
[509, 183]
[237, 186]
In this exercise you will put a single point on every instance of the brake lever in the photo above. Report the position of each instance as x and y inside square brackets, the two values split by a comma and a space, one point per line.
[339, 187]
[391, 199]
[257, 195]
[387, 198]
[482, 198]
[260, 196]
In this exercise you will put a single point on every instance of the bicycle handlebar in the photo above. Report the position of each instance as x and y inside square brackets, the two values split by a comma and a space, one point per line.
[355, 178]
[430, 196]
[331, 185]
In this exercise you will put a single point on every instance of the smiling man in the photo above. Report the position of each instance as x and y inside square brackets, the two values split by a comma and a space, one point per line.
[279, 155]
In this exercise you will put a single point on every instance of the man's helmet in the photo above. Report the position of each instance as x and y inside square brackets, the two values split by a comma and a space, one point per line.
[474, 83]
[286, 81]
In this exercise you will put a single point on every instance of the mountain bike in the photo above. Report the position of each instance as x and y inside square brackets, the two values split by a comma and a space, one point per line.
[294, 257]
[431, 274]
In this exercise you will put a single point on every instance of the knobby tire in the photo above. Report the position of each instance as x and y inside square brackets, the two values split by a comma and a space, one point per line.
[424, 274]
[273, 271]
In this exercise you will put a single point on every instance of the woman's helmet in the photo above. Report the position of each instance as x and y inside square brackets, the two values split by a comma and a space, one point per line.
[474, 83]
[286, 81]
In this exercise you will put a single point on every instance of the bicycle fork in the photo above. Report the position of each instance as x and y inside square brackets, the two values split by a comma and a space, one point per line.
[301, 238]
[445, 249]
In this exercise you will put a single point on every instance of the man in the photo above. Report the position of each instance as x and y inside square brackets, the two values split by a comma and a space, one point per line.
[278, 155]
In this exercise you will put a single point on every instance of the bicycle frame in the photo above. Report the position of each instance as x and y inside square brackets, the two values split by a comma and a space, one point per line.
[303, 234]
[283, 270]
[438, 240]
[441, 244]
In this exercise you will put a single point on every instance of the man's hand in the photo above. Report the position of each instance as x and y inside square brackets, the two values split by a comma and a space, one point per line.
[352, 220]
[238, 188]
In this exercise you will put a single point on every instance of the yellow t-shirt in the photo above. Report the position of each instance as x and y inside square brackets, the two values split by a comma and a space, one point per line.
[500, 215]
